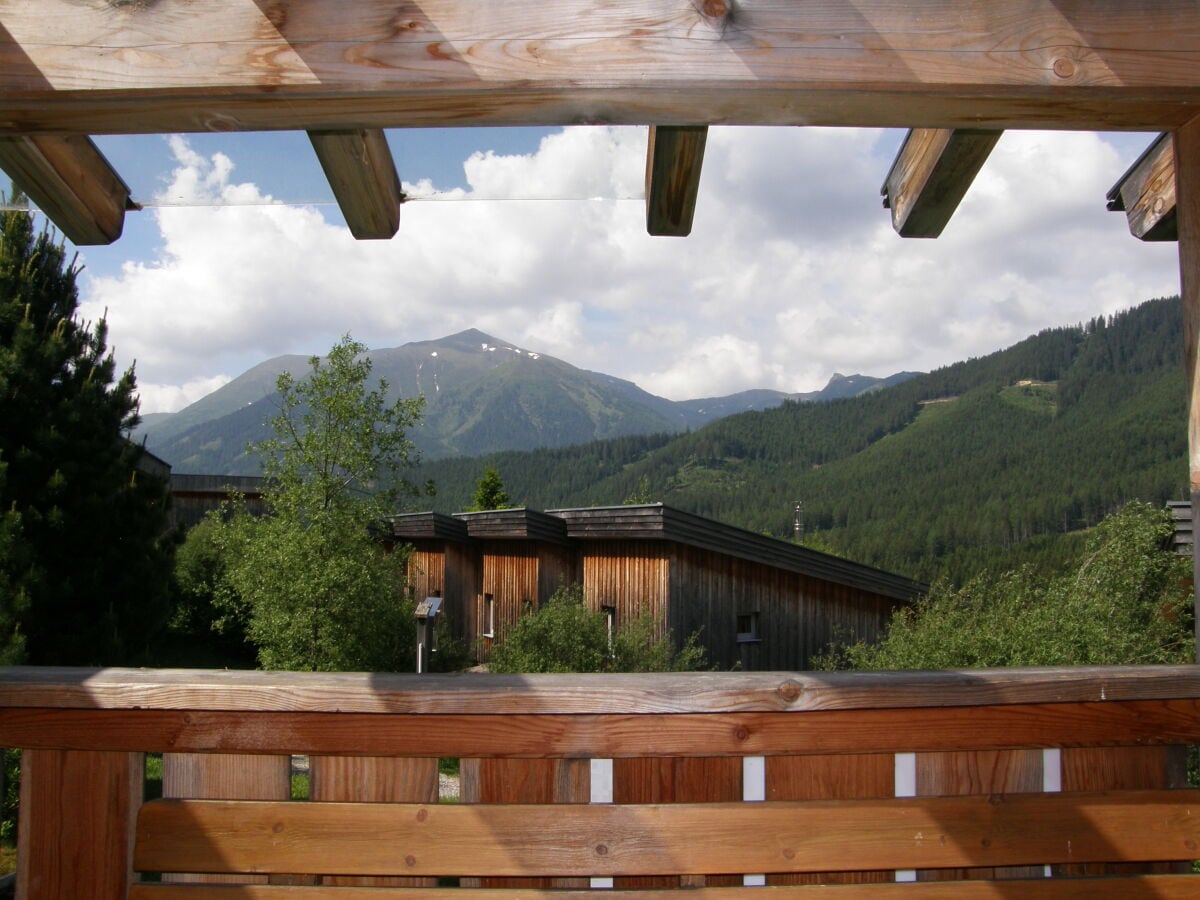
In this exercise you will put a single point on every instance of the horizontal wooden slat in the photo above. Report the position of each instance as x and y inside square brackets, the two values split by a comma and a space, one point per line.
[692, 692]
[1145, 887]
[686, 734]
[214, 65]
[604, 839]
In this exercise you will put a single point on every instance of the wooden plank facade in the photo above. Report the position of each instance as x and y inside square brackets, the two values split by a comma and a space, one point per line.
[756, 602]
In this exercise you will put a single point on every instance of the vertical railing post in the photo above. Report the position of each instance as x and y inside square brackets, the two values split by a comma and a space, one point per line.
[1187, 210]
[78, 811]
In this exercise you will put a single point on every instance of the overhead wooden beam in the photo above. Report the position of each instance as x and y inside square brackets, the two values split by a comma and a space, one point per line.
[216, 65]
[71, 182]
[674, 158]
[1187, 190]
[1146, 193]
[930, 176]
[359, 167]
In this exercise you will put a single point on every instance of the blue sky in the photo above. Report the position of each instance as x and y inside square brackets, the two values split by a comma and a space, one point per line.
[537, 236]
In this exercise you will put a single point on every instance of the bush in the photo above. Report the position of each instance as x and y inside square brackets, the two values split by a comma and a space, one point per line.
[1128, 602]
[565, 636]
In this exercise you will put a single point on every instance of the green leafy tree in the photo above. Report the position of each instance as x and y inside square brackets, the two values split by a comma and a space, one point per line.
[84, 558]
[565, 636]
[1127, 602]
[490, 493]
[310, 582]
[202, 630]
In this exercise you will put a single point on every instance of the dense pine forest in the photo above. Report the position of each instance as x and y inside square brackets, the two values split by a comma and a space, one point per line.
[986, 463]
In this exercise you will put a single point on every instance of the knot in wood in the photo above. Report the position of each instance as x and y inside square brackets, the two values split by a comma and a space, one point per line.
[422, 814]
[741, 732]
[602, 850]
[715, 9]
[1063, 67]
[790, 691]
[410, 861]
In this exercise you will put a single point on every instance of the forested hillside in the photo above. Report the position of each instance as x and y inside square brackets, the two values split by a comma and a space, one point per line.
[986, 462]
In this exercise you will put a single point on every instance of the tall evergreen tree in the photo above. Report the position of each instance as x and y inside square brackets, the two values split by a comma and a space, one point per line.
[490, 493]
[84, 563]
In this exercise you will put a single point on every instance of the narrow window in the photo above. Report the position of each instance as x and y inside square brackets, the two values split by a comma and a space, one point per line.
[489, 616]
[747, 628]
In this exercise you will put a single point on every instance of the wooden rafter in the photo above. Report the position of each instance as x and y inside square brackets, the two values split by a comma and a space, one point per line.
[71, 182]
[359, 168]
[317, 65]
[1146, 193]
[930, 177]
[674, 158]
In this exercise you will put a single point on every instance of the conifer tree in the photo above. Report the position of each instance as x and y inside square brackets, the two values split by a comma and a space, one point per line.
[490, 493]
[84, 564]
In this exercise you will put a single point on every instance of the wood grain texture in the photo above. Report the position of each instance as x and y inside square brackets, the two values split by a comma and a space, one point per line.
[1123, 769]
[541, 781]
[1186, 142]
[374, 779]
[677, 780]
[223, 776]
[1187, 192]
[964, 773]
[1150, 887]
[674, 159]
[931, 175]
[842, 777]
[359, 168]
[214, 65]
[616, 839]
[1146, 193]
[76, 824]
[71, 182]
[690, 692]
[609, 736]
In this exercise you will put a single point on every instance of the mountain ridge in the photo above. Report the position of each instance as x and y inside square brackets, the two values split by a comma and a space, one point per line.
[483, 395]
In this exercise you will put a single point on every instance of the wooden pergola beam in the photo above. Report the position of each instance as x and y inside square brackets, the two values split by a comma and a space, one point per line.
[1146, 193]
[71, 182]
[358, 165]
[930, 177]
[1186, 155]
[674, 158]
[320, 65]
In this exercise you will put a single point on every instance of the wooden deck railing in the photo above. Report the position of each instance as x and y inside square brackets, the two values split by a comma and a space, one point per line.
[1011, 783]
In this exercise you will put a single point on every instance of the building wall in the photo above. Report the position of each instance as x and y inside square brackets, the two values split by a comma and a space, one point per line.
[796, 617]
[628, 576]
[463, 585]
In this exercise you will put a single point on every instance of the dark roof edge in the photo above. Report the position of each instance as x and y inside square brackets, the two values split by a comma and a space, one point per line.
[520, 522]
[427, 525]
[660, 522]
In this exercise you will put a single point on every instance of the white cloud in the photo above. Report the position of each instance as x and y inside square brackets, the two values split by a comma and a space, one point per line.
[792, 271]
[174, 397]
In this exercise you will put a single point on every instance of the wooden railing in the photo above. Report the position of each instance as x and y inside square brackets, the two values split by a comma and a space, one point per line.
[1013, 783]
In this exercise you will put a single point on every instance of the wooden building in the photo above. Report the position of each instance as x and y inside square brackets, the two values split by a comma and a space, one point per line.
[756, 602]
[195, 496]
